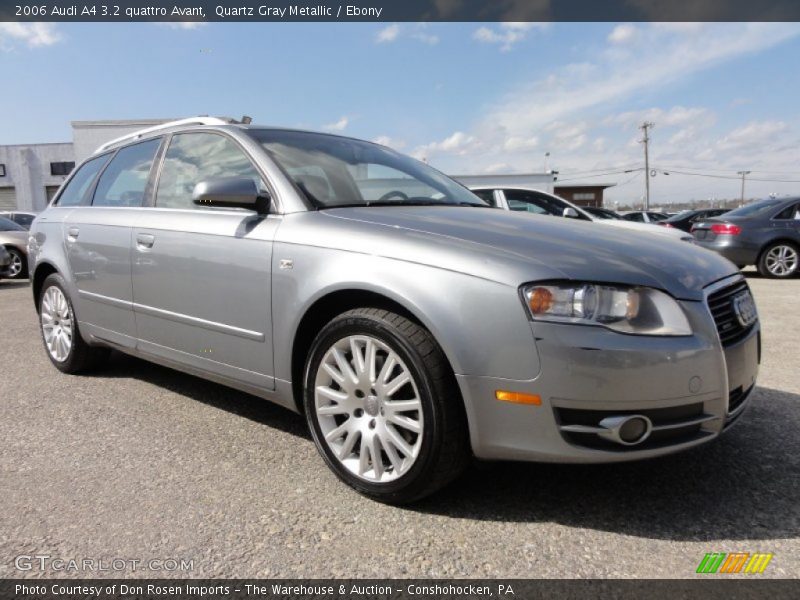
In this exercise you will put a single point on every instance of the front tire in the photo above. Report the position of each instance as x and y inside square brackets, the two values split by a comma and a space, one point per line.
[779, 261]
[62, 339]
[383, 406]
[18, 269]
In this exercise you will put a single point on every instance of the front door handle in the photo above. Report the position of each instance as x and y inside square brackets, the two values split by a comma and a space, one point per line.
[144, 241]
[72, 234]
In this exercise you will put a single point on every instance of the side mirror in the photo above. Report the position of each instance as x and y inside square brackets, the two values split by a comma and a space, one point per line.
[570, 213]
[231, 192]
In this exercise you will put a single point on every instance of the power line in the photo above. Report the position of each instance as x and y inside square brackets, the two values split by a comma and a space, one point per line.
[616, 168]
[736, 177]
[600, 174]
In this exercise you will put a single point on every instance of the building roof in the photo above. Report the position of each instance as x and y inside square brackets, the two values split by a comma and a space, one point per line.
[585, 185]
[505, 180]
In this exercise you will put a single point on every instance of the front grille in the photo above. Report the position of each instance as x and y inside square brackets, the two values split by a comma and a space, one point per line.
[720, 303]
[671, 426]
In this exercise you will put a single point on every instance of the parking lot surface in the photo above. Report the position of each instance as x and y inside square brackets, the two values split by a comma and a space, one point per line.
[140, 462]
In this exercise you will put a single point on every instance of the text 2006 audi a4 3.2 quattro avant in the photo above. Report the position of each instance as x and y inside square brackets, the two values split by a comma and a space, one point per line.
[414, 326]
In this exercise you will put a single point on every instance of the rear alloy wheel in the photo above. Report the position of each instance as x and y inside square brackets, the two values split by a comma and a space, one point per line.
[62, 339]
[383, 407]
[17, 268]
[779, 261]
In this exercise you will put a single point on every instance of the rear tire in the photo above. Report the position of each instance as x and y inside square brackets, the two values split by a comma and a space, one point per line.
[393, 444]
[779, 260]
[60, 331]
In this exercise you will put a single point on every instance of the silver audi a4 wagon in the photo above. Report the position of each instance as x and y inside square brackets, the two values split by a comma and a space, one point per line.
[415, 327]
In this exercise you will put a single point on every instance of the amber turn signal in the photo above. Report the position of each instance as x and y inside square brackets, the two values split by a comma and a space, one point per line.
[518, 397]
[540, 300]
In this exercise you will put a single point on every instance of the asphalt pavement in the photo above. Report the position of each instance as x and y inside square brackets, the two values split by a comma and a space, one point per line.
[137, 462]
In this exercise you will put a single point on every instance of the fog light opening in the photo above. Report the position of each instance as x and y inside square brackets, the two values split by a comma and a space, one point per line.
[634, 430]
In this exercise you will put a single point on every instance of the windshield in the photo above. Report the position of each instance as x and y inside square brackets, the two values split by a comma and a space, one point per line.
[755, 208]
[9, 225]
[333, 171]
[601, 213]
[686, 214]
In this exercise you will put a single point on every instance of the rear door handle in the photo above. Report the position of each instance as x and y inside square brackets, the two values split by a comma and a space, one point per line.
[72, 233]
[144, 241]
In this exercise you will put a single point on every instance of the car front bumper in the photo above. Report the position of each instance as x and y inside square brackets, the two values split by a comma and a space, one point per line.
[684, 385]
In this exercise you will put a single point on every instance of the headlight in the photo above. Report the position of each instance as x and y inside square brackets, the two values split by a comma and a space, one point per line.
[634, 310]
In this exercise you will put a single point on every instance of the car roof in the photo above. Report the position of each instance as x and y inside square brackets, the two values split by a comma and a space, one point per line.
[185, 125]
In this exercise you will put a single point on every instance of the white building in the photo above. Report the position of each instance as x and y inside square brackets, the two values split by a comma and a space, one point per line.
[31, 173]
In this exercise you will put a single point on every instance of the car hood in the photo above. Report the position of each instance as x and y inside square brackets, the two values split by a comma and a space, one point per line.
[514, 248]
[645, 228]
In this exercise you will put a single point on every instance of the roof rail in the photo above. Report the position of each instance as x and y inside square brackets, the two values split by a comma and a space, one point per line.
[169, 125]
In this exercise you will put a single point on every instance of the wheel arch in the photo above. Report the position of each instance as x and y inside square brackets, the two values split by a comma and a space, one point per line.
[42, 272]
[333, 303]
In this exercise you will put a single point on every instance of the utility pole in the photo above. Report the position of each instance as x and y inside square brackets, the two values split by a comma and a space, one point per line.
[743, 174]
[645, 127]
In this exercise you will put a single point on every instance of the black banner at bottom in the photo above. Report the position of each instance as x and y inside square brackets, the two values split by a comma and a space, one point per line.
[396, 589]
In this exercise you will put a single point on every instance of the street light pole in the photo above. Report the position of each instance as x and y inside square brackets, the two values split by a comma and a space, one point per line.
[743, 174]
[645, 127]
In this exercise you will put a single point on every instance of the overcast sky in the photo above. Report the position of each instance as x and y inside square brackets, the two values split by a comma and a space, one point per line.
[470, 98]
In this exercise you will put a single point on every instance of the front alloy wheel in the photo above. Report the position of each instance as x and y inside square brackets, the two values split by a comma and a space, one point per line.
[368, 408]
[383, 406]
[780, 261]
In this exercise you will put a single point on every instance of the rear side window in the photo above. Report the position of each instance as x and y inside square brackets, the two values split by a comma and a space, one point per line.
[486, 195]
[125, 179]
[195, 157]
[76, 189]
[790, 212]
[520, 200]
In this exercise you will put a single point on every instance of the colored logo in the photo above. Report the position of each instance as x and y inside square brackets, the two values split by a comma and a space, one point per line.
[735, 562]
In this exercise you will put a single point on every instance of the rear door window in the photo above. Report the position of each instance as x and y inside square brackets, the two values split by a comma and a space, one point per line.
[124, 181]
[75, 191]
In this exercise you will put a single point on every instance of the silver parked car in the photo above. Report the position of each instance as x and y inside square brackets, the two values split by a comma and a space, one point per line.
[14, 238]
[412, 325]
[5, 262]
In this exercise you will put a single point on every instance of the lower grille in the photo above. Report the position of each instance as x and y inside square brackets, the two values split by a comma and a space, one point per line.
[736, 400]
[671, 426]
[720, 303]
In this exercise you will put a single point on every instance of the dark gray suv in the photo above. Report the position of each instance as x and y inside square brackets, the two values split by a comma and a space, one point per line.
[765, 234]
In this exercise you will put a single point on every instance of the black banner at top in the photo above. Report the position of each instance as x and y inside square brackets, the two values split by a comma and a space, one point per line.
[399, 10]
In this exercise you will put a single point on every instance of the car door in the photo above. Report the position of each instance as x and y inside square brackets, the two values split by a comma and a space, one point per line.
[201, 275]
[98, 243]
